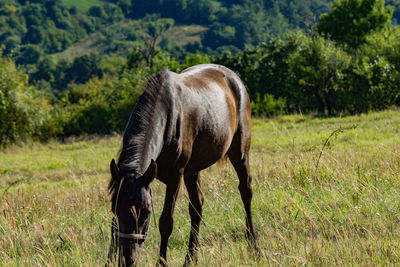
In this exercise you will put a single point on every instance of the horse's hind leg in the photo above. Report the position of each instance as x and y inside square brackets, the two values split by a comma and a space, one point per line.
[239, 156]
[195, 211]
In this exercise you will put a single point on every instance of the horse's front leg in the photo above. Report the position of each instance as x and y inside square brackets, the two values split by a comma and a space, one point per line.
[166, 222]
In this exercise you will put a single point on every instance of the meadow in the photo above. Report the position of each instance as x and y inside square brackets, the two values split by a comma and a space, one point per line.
[326, 192]
[82, 5]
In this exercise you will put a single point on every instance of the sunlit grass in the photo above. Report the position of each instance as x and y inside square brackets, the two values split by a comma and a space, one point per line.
[345, 210]
[82, 5]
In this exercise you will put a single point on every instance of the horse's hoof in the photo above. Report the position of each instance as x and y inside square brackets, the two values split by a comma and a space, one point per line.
[162, 263]
[188, 261]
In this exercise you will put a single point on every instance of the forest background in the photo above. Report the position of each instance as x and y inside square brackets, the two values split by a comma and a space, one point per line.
[72, 67]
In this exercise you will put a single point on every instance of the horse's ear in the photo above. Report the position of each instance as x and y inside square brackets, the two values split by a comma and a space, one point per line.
[151, 173]
[115, 173]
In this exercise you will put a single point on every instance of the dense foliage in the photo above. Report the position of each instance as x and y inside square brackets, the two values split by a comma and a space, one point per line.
[33, 29]
[24, 112]
[316, 74]
[233, 23]
[315, 68]
[350, 22]
[45, 26]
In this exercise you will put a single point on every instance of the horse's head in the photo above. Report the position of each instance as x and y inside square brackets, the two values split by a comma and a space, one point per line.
[131, 205]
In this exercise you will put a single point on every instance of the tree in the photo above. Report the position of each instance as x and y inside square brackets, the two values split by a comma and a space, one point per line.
[44, 71]
[350, 21]
[11, 43]
[29, 54]
[97, 11]
[24, 112]
[33, 36]
[218, 35]
[315, 75]
[83, 68]
[156, 28]
[396, 12]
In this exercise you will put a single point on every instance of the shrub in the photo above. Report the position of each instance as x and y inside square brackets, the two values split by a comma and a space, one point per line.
[100, 106]
[267, 105]
[24, 111]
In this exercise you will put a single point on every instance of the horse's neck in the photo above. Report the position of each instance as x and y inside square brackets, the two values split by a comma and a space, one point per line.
[154, 143]
[140, 147]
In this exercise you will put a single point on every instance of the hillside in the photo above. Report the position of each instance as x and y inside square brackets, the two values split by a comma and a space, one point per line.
[125, 38]
[30, 30]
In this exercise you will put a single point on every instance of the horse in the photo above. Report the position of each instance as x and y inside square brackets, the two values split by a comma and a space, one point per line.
[181, 124]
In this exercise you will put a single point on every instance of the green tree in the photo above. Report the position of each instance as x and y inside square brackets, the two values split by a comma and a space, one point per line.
[194, 59]
[33, 36]
[44, 71]
[83, 68]
[146, 54]
[218, 35]
[373, 81]
[396, 12]
[29, 54]
[11, 42]
[315, 76]
[350, 21]
[24, 113]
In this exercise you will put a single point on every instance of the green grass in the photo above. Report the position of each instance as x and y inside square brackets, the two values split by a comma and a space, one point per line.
[345, 210]
[183, 34]
[81, 5]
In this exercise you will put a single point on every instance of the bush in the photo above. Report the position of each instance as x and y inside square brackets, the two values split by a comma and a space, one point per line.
[267, 105]
[100, 106]
[24, 111]
[316, 72]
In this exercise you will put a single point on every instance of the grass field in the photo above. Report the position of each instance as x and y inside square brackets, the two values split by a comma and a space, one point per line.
[337, 204]
[81, 5]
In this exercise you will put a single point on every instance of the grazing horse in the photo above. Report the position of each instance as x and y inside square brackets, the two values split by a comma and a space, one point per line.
[181, 124]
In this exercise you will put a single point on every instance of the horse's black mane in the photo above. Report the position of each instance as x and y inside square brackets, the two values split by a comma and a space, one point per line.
[134, 137]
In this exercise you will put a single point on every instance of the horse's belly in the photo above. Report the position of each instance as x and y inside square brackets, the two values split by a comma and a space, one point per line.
[208, 148]
[214, 135]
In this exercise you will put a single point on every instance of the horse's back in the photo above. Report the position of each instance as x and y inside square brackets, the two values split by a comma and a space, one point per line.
[216, 106]
[218, 87]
